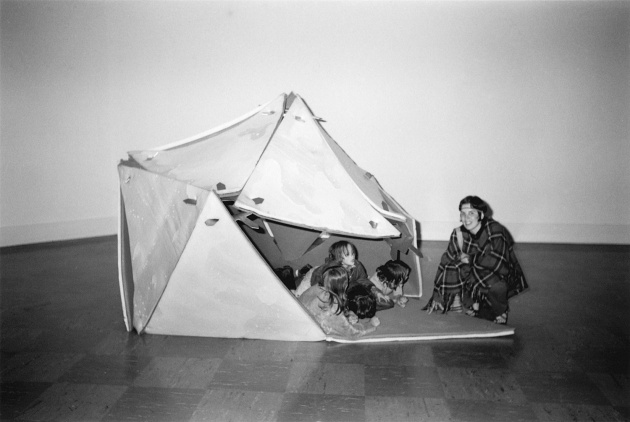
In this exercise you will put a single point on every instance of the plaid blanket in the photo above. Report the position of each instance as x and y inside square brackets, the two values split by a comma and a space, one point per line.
[492, 259]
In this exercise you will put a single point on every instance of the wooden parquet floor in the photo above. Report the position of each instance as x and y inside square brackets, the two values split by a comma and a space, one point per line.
[66, 356]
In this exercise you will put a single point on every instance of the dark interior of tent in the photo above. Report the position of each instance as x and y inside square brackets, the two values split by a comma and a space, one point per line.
[283, 245]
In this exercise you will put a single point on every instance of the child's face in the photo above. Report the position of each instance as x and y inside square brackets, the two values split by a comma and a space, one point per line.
[386, 289]
[348, 261]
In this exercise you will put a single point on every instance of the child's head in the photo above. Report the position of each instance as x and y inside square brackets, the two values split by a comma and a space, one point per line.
[393, 274]
[335, 280]
[343, 252]
[361, 301]
[285, 274]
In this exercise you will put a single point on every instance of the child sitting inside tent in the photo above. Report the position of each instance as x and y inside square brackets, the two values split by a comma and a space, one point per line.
[388, 281]
[342, 253]
[291, 278]
[327, 303]
[361, 304]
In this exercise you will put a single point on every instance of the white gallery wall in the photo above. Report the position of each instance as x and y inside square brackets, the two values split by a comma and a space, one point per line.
[525, 104]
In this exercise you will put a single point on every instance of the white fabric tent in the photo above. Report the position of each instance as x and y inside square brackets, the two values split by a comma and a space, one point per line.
[204, 221]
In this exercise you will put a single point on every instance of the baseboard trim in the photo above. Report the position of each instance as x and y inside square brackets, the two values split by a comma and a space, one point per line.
[54, 232]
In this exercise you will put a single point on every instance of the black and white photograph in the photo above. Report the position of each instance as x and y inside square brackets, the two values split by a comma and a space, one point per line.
[314, 211]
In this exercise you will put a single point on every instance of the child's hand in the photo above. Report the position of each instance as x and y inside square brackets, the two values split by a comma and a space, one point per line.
[375, 321]
[382, 298]
[402, 301]
[353, 318]
[465, 258]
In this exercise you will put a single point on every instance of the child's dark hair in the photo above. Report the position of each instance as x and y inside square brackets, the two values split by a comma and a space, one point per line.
[393, 273]
[340, 249]
[285, 274]
[361, 301]
[335, 282]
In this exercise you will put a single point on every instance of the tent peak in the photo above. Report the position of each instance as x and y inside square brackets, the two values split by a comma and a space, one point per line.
[289, 100]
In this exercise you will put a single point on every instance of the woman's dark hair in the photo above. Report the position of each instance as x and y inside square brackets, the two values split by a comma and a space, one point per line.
[393, 273]
[361, 301]
[335, 282]
[476, 203]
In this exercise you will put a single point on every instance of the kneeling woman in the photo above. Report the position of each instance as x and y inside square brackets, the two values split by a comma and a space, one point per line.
[479, 270]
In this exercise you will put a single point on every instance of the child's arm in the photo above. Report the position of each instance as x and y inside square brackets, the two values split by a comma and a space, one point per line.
[339, 325]
[380, 296]
[352, 317]
[399, 298]
[360, 328]
[401, 301]
[361, 272]
[305, 284]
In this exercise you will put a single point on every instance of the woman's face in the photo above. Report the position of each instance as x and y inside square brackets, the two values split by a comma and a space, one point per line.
[470, 218]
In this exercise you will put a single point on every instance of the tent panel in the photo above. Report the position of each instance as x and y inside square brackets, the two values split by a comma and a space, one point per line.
[365, 181]
[125, 267]
[221, 287]
[292, 243]
[413, 287]
[298, 180]
[221, 161]
[221, 127]
[159, 224]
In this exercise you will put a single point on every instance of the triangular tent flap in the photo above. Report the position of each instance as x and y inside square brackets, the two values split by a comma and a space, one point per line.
[365, 181]
[222, 288]
[161, 214]
[221, 159]
[376, 196]
[292, 243]
[300, 181]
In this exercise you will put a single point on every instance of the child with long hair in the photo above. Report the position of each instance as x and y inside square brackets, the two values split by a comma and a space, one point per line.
[327, 303]
[361, 304]
[342, 253]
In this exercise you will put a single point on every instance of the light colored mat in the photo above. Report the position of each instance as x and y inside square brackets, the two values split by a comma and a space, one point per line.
[411, 323]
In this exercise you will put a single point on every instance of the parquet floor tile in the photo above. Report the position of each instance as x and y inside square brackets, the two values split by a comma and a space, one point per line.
[65, 354]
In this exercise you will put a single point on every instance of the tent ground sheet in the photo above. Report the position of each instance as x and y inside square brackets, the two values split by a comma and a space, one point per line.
[411, 323]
